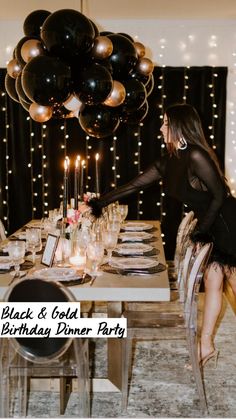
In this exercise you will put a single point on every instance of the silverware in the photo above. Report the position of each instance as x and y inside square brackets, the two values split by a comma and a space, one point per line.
[92, 280]
[17, 277]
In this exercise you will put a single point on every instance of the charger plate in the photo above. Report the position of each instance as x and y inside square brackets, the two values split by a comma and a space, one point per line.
[136, 226]
[57, 274]
[133, 263]
[133, 248]
[133, 236]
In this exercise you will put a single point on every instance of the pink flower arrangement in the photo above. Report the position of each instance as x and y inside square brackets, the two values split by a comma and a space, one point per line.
[73, 216]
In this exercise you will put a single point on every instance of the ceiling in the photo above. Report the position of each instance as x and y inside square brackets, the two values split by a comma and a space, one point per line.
[126, 9]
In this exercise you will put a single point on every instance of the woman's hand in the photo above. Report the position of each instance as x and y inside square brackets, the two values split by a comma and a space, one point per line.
[84, 208]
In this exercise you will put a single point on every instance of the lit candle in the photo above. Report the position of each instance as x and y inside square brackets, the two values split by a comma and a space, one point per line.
[97, 174]
[65, 189]
[82, 179]
[77, 180]
[78, 260]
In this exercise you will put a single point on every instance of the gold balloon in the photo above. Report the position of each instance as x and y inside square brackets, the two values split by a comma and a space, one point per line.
[72, 103]
[117, 95]
[40, 113]
[102, 47]
[140, 49]
[14, 68]
[145, 66]
[31, 48]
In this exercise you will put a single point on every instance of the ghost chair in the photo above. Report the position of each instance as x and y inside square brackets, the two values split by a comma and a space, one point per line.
[23, 358]
[175, 321]
[2, 231]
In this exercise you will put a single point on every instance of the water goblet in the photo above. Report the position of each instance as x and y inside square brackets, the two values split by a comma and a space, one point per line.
[109, 239]
[95, 254]
[16, 250]
[33, 241]
[123, 211]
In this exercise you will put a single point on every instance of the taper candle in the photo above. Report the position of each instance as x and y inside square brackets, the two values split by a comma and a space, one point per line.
[82, 179]
[97, 175]
[77, 180]
[65, 189]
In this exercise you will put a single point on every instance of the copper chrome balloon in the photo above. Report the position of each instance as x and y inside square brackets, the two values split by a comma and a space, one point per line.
[140, 49]
[31, 48]
[117, 95]
[14, 68]
[40, 113]
[102, 47]
[145, 66]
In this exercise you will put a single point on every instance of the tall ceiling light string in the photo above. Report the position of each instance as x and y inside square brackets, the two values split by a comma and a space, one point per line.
[65, 137]
[114, 162]
[5, 182]
[214, 112]
[44, 171]
[137, 161]
[88, 149]
[161, 202]
[33, 179]
[185, 100]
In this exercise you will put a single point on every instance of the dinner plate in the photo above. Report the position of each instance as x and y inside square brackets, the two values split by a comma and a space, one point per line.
[133, 248]
[136, 226]
[57, 274]
[132, 236]
[133, 263]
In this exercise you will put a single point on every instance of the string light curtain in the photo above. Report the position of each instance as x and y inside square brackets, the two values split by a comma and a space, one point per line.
[32, 155]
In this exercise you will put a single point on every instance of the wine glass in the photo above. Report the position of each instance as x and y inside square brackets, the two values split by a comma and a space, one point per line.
[123, 211]
[33, 241]
[16, 250]
[109, 239]
[95, 253]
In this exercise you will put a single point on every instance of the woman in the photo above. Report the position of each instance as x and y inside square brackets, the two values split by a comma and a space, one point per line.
[191, 173]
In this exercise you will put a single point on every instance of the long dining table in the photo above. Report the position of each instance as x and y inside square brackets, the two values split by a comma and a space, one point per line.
[115, 289]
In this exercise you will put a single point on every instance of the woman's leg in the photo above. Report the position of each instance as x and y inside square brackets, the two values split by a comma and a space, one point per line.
[213, 281]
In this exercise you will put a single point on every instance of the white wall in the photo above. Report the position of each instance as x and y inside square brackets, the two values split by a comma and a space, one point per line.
[173, 43]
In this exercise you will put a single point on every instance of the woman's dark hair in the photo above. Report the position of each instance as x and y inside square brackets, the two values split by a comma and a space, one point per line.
[184, 122]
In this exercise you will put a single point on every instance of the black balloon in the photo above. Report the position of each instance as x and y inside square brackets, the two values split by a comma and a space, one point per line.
[124, 56]
[96, 31]
[59, 112]
[34, 21]
[98, 121]
[150, 85]
[21, 94]
[25, 105]
[126, 36]
[105, 33]
[11, 88]
[135, 95]
[135, 117]
[46, 80]
[66, 33]
[140, 77]
[95, 84]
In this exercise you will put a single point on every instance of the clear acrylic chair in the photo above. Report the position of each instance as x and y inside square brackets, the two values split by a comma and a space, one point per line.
[181, 234]
[22, 358]
[177, 321]
[2, 231]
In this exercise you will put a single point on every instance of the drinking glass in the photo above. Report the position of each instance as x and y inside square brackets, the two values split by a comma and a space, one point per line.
[16, 250]
[95, 253]
[109, 239]
[123, 211]
[33, 241]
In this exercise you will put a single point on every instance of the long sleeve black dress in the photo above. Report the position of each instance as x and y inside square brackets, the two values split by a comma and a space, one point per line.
[192, 178]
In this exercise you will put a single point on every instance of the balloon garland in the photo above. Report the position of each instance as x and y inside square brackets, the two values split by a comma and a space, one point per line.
[63, 67]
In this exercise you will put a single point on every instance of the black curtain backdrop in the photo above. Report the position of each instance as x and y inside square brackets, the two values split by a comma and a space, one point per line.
[32, 154]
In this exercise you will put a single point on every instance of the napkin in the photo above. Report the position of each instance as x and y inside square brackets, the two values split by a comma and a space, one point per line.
[5, 263]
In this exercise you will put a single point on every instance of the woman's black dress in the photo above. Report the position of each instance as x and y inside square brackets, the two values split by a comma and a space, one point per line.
[192, 178]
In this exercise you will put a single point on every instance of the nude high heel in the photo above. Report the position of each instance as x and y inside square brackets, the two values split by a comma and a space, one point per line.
[212, 355]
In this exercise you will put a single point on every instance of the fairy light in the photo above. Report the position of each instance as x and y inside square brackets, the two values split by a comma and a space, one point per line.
[137, 157]
[87, 157]
[31, 167]
[114, 162]
[4, 190]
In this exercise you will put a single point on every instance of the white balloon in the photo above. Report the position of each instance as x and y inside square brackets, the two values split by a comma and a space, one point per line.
[72, 103]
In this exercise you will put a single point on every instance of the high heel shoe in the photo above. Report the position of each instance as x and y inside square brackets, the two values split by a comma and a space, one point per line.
[212, 355]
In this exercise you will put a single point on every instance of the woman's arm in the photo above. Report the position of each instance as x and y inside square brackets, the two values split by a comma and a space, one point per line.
[150, 175]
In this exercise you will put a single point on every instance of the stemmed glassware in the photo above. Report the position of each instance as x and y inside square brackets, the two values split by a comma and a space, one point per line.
[123, 211]
[16, 250]
[109, 239]
[95, 254]
[33, 241]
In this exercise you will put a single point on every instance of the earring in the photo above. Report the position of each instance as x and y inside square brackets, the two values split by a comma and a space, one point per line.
[182, 144]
